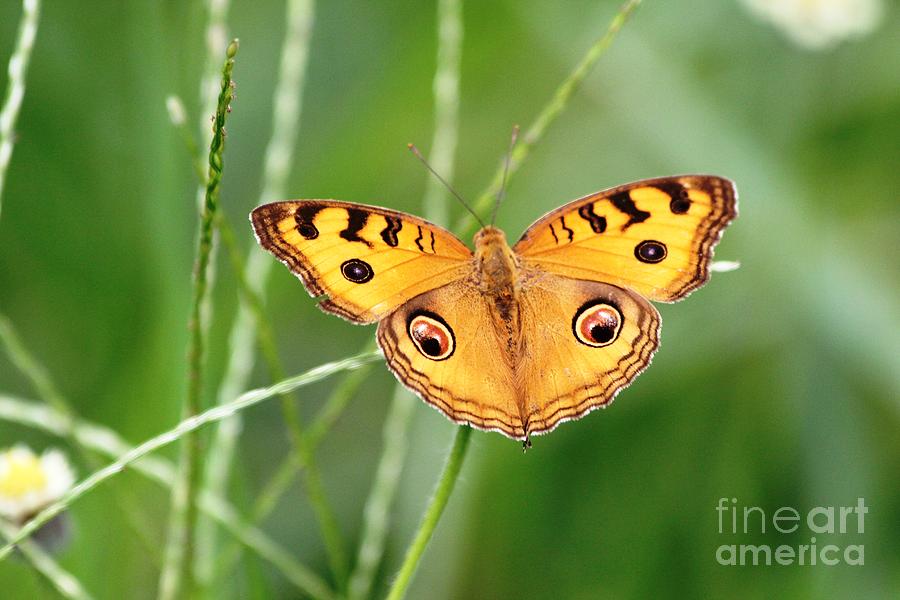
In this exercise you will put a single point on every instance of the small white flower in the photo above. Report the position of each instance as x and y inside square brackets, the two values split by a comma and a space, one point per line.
[29, 483]
[818, 24]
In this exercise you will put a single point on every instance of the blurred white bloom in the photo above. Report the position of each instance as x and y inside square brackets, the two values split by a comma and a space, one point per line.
[176, 110]
[29, 483]
[819, 23]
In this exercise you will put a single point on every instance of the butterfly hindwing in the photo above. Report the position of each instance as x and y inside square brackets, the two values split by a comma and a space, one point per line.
[567, 374]
[521, 382]
[654, 236]
[473, 383]
[366, 260]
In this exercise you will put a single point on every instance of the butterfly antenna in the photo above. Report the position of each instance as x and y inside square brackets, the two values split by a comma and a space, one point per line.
[418, 154]
[502, 191]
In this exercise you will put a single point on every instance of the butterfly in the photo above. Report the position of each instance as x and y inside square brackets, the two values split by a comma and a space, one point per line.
[510, 339]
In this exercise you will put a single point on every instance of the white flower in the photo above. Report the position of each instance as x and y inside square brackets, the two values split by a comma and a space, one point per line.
[819, 23]
[29, 483]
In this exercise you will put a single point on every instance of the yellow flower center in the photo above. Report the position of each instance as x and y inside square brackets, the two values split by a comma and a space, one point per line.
[23, 475]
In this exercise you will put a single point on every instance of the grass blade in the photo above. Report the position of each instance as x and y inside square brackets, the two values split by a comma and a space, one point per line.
[95, 438]
[185, 427]
[551, 111]
[15, 89]
[178, 572]
[63, 581]
[432, 513]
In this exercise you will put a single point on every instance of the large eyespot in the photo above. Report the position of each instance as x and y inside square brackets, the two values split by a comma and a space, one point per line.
[650, 251]
[597, 324]
[357, 271]
[432, 336]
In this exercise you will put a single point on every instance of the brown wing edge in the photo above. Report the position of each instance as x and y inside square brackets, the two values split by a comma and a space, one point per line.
[723, 194]
[402, 369]
[592, 402]
[265, 219]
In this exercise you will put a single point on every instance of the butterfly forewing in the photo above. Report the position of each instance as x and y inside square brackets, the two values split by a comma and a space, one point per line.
[654, 236]
[367, 260]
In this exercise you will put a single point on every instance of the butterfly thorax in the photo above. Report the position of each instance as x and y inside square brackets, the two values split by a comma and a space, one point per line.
[497, 275]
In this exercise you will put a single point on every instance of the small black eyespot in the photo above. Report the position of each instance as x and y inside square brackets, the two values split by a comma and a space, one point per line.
[308, 230]
[679, 206]
[357, 271]
[681, 203]
[650, 251]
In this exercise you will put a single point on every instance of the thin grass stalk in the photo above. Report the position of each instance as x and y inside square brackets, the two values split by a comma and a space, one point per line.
[287, 471]
[178, 573]
[376, 515]
[551, 111]
[15, 88]
[62, 581]
[302, 452]
[376, 521]
[216, 38]
[288, 98]
[101, 440]
[301, 576]
[445, 89]
[185, 427]
[432, 513]
[30, 367]
[278, 158]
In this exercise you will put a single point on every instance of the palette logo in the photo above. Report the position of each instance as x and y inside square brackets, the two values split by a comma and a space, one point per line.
[819, 520]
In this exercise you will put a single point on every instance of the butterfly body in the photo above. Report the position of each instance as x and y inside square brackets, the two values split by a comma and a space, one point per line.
[510, 339]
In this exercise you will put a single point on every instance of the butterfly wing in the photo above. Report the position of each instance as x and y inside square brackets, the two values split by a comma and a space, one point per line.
[585, 342]
[655, 236]
[526, 381]
[367, 260]
[473, 383]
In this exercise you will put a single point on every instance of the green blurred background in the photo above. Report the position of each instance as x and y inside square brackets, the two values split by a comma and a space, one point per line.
[777, 384]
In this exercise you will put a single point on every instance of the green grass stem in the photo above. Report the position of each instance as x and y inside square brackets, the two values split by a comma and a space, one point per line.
[432, 513]
[104, 441]
[189, 425]
[551, 111]
[62, 581]
[15, 88]
[178, 572]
